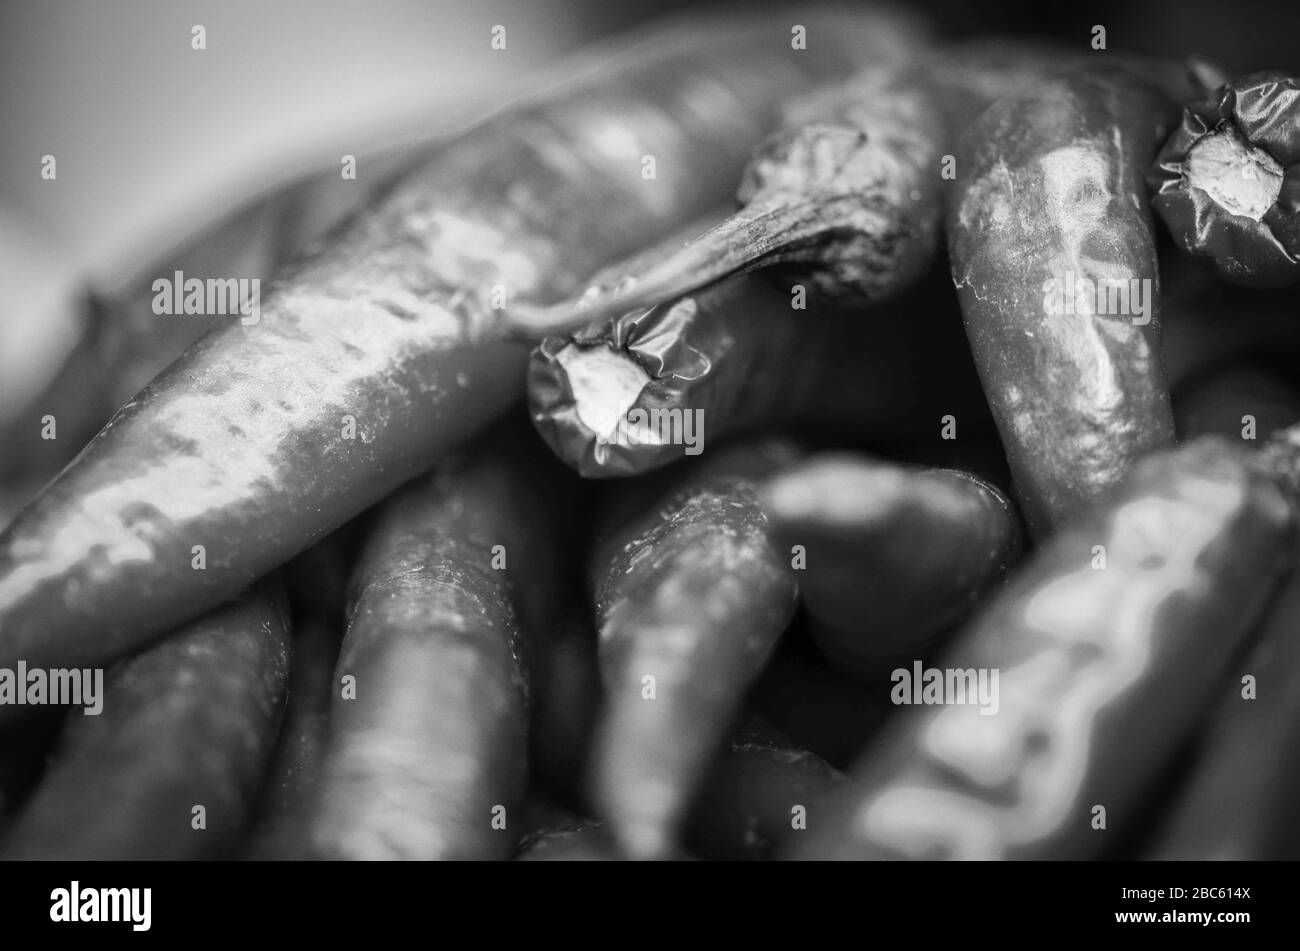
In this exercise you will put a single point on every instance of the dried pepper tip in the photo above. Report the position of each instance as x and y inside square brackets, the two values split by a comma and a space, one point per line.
[1227, 183]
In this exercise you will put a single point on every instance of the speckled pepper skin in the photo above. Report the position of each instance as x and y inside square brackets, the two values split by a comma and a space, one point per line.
[693, 594]
[439, 643]
[190, 721]
[1102, 673]
[1049, 188]
[238, 447]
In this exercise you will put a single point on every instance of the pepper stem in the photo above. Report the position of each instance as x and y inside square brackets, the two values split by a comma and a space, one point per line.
[754, 236]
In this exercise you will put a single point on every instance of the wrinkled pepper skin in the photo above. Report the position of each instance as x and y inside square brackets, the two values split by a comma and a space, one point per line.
[189, 722]
[390, 327]
[1049, 191]
[1227, 183]
[1102, 674]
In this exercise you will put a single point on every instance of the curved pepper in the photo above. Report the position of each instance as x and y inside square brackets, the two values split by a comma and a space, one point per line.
[1105, 647]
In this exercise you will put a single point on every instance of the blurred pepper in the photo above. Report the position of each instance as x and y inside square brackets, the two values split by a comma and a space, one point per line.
[1097, 658]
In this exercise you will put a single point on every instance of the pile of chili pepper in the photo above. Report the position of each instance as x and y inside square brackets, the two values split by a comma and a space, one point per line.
[908, 468]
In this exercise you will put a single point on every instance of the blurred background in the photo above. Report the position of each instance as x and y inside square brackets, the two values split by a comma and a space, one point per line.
[156, 142]
[148, 132]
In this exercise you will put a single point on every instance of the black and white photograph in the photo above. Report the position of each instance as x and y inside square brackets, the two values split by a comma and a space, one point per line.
[663, 432]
